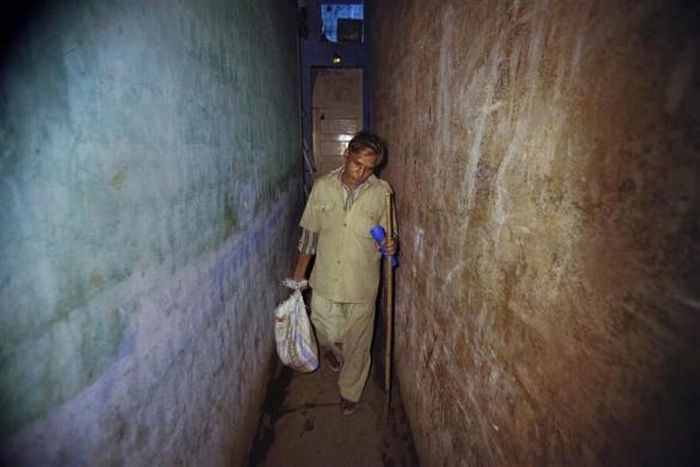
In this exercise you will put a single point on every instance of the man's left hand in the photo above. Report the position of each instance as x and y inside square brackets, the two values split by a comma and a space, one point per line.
[391, 244]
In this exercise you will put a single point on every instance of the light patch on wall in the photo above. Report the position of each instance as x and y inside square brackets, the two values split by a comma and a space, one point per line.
[418, 243]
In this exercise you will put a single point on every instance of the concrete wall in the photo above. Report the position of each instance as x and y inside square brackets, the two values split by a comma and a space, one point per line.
[149, 181]
[546, 161]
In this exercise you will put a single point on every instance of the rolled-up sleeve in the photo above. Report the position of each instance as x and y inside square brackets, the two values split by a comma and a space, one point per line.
[310, 219]
[310, 226]
[307, 242]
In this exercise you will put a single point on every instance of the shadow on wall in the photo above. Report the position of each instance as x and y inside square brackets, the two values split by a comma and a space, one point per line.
[15, 17]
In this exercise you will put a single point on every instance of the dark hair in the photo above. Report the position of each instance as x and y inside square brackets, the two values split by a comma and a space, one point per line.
[367, 140]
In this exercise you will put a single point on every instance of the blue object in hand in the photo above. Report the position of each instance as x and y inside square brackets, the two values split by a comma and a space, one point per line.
[378, 233]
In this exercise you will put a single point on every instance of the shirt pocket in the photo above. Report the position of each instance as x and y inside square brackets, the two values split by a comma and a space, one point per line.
[325, 213]
[365, 219]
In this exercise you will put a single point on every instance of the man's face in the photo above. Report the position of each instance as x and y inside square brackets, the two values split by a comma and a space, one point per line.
[359, 166]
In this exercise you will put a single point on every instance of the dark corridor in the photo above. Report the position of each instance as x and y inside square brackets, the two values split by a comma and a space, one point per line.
[155, 159]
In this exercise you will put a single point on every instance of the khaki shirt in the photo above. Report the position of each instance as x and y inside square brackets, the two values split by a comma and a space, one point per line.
[346, 269]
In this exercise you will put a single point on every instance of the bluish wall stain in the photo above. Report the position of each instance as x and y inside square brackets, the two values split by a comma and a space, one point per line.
[136, 137]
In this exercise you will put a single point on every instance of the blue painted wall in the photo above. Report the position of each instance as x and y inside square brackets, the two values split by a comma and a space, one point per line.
[149, 162]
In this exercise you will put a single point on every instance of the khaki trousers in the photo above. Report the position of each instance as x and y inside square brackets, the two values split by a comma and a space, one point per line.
[351, 325]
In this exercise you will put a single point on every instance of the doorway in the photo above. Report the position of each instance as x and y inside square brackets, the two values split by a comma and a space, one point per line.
[336, 114]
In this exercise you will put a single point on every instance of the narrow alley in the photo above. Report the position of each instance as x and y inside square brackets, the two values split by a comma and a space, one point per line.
[301, 425]
[532, 165]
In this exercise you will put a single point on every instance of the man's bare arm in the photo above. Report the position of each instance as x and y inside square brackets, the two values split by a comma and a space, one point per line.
[301, 267]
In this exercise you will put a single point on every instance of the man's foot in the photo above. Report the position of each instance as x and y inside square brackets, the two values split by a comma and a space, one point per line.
[347, 407]
[333, 361]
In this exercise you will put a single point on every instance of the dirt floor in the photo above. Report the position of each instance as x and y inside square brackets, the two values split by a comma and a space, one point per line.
[301, 425]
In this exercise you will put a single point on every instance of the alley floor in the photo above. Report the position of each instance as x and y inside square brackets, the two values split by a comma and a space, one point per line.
[302, 425]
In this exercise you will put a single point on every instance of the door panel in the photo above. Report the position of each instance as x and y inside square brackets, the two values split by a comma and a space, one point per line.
[337, 114]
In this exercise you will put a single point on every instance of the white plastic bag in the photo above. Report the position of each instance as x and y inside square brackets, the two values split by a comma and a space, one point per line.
[296, 343]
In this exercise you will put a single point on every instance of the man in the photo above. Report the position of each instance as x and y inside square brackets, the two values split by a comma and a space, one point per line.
[343, 207]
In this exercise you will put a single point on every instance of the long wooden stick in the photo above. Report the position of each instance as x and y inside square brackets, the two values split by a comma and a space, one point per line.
[389, 291]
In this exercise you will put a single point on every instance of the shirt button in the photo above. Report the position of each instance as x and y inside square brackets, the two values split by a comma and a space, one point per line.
[345, 224]
[338, 261]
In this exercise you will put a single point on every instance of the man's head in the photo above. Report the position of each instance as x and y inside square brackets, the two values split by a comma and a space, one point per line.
[365, 153]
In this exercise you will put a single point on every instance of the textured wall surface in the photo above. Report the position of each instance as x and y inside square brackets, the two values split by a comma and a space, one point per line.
[546, 160]
[148, 162]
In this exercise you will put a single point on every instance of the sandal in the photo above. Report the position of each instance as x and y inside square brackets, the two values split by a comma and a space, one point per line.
[333, 361]
[346, 406]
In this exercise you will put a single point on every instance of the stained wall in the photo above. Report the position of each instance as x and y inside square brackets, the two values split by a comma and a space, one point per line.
[546, 161]
[149, 178]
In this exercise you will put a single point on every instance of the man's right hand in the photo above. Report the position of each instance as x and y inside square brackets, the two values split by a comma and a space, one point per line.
[301, 266]
[296, 285]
